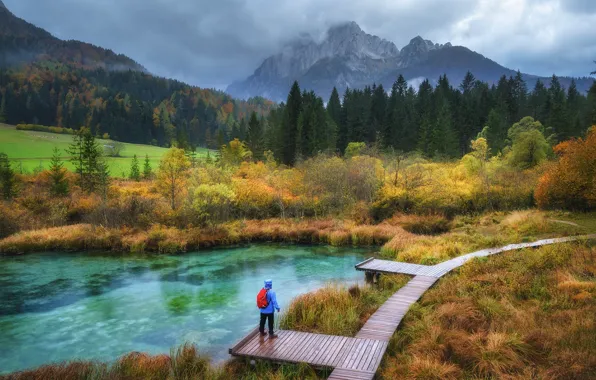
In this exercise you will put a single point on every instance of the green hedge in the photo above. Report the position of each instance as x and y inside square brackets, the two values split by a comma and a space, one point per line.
[43, 128]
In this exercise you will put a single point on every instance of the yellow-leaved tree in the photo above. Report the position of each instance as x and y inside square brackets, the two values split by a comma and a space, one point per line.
[172, 174]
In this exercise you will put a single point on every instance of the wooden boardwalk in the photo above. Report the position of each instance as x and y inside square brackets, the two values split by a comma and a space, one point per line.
[327, 351]
[358, 358]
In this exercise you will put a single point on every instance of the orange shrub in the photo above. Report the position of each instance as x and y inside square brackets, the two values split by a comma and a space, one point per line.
[571, 182]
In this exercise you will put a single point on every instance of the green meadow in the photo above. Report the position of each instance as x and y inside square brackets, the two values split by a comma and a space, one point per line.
[29, 150]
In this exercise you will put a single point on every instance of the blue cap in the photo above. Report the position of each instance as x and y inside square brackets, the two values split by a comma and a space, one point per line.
[268, 284]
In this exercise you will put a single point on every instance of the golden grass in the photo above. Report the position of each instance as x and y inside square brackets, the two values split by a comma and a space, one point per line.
[337, 309]
[525, 314]
[164, 239]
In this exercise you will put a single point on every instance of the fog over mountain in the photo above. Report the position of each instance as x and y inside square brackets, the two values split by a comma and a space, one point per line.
[348, 57]
[213, 44]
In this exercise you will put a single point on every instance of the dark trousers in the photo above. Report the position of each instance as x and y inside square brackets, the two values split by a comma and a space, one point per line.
[266, 316]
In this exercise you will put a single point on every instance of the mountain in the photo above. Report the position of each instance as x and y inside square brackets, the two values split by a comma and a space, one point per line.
[69, 84]
[349, 57]
[22, 43]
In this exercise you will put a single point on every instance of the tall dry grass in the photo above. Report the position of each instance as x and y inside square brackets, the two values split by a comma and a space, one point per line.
[525, 314]
[163, 239]
[337, 309]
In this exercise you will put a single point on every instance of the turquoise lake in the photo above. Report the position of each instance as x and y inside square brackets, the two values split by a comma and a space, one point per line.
[62, 306]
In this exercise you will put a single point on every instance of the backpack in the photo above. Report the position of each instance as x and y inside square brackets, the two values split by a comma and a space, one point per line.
[262, 299]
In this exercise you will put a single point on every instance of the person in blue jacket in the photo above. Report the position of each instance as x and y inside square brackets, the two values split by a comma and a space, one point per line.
[268, 312]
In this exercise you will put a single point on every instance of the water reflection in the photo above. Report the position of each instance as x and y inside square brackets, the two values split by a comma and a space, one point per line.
[57, 307]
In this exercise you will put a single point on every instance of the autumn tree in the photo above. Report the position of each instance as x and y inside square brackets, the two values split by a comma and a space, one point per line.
[57, 175]
[571, 182]
[234, 153]
[172, 174]
[135, 173]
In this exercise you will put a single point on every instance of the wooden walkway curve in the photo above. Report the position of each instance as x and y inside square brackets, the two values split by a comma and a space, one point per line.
[358, 358]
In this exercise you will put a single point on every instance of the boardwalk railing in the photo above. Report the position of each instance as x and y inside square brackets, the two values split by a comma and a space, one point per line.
[358, 358]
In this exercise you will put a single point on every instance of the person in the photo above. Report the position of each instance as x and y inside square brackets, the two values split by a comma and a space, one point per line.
[268, 312]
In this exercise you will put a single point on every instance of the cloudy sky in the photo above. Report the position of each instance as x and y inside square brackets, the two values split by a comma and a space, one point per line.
[211, 43]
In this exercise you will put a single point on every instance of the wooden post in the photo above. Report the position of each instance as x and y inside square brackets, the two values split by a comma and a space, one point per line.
[369, 276]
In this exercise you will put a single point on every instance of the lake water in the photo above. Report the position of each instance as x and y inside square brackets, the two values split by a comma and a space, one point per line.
[61, 306]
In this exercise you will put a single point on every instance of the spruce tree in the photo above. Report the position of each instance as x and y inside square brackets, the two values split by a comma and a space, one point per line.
[135, 173]
[496, 133]
[334, 106]
[58, 182]
[255, 137]
[147, 171]
[102, 180]
[7, 178]
[290, 125]
[85, 155]
[3, 109]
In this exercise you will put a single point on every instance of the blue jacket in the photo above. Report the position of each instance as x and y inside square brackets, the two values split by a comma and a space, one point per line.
[272, 303]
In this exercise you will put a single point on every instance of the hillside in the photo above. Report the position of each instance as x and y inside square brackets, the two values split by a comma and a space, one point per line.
[351, 58]
[22, 42]
[30, 150]
[44, 80]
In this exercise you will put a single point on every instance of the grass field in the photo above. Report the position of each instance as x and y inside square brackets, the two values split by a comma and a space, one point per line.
[31, 149]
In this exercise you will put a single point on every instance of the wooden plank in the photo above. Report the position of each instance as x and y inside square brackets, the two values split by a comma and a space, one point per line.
[364, 354]
[289, 345]
[332, 355]
[364, 262]
[315, 348]
[243, 341]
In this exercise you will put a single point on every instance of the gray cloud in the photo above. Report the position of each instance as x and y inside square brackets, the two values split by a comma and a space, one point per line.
[212, 43]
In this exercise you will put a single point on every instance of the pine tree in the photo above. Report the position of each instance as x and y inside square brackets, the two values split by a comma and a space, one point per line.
[255, 137]
[58, 182]
[191, 153]
[3, 109]
[557, 113]
[290, 124]
[102, 179]
[85, 154]
[496, 133]
[135, 173]
[334, 106]
[7, 178]
[147, 171]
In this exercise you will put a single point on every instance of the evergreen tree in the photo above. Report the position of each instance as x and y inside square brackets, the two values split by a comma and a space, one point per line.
[191, 153]
[290, 125]
[2, 109]
[147, 171]
[85, 155]
[496, 133]
[557, 118]
[102, 179]
[378, 110]
[7, 178]
[443, 141]
[334, 106]
[255, 137]
[574, 115]
[135, 173]
[57, 173]
[343, 134]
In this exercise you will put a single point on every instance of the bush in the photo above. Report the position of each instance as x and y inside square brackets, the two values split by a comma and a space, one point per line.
[426, 225]
[43, 128]
[571, 182]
